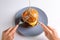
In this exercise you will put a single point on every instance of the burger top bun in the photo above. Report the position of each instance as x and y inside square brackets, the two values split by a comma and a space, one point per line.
[30, 16]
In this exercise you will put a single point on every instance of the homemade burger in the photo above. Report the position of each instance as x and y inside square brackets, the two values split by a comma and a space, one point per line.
[30, 16]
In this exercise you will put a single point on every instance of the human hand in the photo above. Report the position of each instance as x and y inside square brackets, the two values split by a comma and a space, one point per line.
[9, 33]
[50, 33]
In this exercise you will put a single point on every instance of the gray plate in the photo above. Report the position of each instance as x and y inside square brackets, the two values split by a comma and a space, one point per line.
[31, 31]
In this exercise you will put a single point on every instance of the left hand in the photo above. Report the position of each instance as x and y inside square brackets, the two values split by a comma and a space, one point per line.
[9, 33]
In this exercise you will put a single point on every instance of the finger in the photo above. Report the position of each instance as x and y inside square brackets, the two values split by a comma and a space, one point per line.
[8, 30]
[44, 27]
[53, 30]
[5, 30]
[13, 30]
[46, 33]
[11, 38]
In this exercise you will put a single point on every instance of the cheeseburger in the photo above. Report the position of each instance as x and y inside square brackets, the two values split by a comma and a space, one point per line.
[30, 16]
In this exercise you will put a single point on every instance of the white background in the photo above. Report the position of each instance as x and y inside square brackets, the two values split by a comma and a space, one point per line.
[8, 9]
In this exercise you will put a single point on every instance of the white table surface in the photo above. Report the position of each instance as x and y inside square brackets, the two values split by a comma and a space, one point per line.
[8, 9]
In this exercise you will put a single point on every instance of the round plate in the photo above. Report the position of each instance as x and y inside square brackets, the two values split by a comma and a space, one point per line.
[31, 31]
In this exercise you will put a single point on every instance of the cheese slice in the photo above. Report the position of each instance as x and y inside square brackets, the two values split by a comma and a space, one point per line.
[33, 23]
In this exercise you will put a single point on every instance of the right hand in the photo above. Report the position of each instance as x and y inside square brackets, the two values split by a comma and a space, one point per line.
[50, 33]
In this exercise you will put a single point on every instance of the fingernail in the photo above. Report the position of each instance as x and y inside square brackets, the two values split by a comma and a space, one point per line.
[40, 22]
[17, 25]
